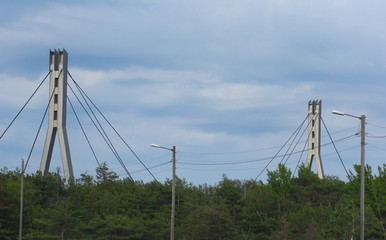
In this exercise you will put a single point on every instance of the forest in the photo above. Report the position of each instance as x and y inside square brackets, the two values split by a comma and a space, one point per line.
[104, 206]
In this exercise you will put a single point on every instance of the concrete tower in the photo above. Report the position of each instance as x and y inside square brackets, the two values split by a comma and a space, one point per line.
[57, 114]
[314, 114]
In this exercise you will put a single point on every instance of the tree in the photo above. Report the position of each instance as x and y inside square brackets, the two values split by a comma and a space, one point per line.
[280, 182]
[104, 175]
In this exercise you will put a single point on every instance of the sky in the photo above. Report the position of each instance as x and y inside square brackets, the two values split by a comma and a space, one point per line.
[226, 82]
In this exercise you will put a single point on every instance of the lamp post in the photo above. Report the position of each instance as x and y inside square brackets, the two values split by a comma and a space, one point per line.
[21, 200]
[362, 190]
[173, 188]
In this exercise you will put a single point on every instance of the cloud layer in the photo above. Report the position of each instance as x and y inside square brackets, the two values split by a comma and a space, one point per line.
[208, 77]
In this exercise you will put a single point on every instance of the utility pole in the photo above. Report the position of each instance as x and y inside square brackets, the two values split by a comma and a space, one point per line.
[172, 217]
[21, 200]
[362, 202]
[362, 190]
[173, 195]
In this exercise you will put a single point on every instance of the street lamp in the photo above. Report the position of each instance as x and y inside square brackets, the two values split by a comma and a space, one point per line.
[21, 200]
[173, 188]
[362, 190]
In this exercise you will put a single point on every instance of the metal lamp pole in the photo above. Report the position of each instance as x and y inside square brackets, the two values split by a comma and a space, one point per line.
[362, 190]
[173, 188]
[362, 204]
[21, 200]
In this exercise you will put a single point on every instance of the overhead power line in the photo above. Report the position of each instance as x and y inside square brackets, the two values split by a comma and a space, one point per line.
[374, 146]
[372, 136]
[155, 166]
[193, 162]
[155, 173]
[375, 125]
[344, 150]
[252, 150]
[224, 170]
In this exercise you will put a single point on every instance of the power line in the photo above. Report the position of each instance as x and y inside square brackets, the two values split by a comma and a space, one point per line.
[152, 167]
[227, 163]
[372, 136]
[216, 170]
[158, 172]
[252, 150]
[384, 149]
[158, 165]
[156, 158]
[375, 125]
[344, 150]
[25, 105]
[225, 170]
[214, 163]
[228, 153]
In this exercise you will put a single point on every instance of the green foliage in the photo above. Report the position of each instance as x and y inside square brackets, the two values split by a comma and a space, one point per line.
[303, 207]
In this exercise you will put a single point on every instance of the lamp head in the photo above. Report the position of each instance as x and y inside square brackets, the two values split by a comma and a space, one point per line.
[338, 112]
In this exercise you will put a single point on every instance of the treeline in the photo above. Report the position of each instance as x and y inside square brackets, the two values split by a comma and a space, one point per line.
[105, 207]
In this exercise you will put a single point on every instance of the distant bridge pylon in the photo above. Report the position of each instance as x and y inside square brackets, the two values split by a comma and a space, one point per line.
[314, 116]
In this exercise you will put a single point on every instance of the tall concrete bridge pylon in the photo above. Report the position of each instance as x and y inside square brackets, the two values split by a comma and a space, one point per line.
[57, 114]
[314, 115]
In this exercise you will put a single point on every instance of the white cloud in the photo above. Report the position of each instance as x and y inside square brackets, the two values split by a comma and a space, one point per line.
[15, 91]
[157, 87]
[91, 77]
[243, 96]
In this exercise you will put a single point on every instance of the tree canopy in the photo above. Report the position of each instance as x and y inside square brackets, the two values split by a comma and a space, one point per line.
[300, 207]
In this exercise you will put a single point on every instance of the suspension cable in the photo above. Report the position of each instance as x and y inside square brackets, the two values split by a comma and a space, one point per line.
[24, 105]
[111, 147]
[84, 133]
[281, 148]
[334, 146]
[293, 140]
[293, 149]
[304, 147]
[127, 145]
[40, 127]
[105, 134]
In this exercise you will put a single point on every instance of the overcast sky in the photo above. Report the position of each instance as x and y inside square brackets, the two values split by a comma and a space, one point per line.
[226, 82]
